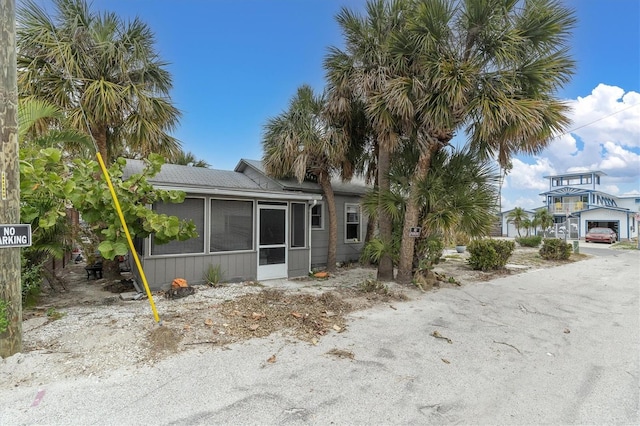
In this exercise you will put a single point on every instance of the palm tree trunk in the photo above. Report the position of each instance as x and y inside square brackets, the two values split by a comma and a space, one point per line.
[411, 217]
[385, 265]
[325, 184]
[99, 135]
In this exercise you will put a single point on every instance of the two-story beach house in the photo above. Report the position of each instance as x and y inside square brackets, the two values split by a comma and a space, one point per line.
[578, 204]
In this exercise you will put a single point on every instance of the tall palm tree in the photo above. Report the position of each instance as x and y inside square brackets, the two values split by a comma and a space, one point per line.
[489, 68]
[299, 142]
[359, 74]
[103, 72]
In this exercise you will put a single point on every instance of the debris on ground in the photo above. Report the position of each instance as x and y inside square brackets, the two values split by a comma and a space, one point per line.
[437, 335]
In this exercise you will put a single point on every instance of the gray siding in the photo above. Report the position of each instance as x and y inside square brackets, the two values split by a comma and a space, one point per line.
[345, 252]
[161, 271]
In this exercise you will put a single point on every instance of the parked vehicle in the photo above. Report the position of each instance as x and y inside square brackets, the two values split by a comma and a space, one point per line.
[604, 235]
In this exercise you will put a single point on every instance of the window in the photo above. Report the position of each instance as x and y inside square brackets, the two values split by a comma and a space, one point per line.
[231, 225]
[191, 209]
[317, 221]
[298, 219]
[352, 223]
[573, 181]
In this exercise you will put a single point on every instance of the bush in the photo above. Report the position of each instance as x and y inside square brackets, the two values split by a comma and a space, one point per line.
[489, 254]
[31, 278]
[555, 249]
[532, 241]
[428, 252]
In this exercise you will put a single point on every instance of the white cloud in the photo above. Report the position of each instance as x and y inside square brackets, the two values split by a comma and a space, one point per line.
[524, 202]
[607, 114]
[530, 176]
[611, 189]
[604, 136]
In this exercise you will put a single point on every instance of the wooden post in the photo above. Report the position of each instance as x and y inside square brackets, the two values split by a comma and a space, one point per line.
[10, 287]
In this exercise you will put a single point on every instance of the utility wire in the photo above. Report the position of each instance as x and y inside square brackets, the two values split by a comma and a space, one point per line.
[595, 121]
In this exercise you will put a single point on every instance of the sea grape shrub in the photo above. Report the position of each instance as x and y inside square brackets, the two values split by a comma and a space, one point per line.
[489, 254]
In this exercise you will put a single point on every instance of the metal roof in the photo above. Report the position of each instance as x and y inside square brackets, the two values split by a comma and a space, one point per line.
[569, 174]
[339, 187]
[194, 177]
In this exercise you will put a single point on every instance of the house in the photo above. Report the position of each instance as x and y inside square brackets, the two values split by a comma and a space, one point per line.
[578, 204]
[509, 228]
[252, 226]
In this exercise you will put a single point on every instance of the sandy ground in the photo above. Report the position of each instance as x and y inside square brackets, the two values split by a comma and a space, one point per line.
[85, 330]
[539, 344]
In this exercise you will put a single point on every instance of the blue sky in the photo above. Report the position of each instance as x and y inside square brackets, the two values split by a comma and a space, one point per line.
[235, 63]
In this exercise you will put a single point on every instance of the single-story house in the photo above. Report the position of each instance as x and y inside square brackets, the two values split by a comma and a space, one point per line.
[509, 228]
[251, 226]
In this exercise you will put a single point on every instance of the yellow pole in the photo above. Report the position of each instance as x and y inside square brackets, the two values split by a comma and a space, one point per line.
[129, 240]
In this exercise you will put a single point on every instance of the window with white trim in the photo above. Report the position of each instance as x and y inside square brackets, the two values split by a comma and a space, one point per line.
[317, 218]
[298, 224]
[352, 223]
[191, 209]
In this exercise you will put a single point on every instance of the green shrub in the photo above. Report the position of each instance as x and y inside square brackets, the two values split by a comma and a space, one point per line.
[532, 241]
[429, 252]
[31, 278]
[555, 249]
[490, 254]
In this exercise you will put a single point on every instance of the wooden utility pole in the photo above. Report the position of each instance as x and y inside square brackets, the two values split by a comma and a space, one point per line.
[10, 287]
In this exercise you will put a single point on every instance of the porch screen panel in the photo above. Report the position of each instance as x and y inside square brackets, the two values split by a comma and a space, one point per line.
[298, 221]
[231, 225]
[190, 209]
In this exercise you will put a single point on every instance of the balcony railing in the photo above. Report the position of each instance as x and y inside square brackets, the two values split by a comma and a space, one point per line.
[568, 207]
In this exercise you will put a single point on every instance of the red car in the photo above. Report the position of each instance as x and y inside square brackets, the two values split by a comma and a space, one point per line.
[603, 235]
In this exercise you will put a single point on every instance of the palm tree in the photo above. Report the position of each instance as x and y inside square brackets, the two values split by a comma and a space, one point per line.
[518, 216]
[359, 74]
[299, 142]
[188, 159]
[488, 68]
[457, 196]
[103, 72]
[544, 219]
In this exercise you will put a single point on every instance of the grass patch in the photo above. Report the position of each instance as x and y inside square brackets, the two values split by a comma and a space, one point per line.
[53, 314]
[625, 245]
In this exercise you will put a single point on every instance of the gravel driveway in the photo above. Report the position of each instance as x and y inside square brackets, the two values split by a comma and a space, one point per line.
[555, 346]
